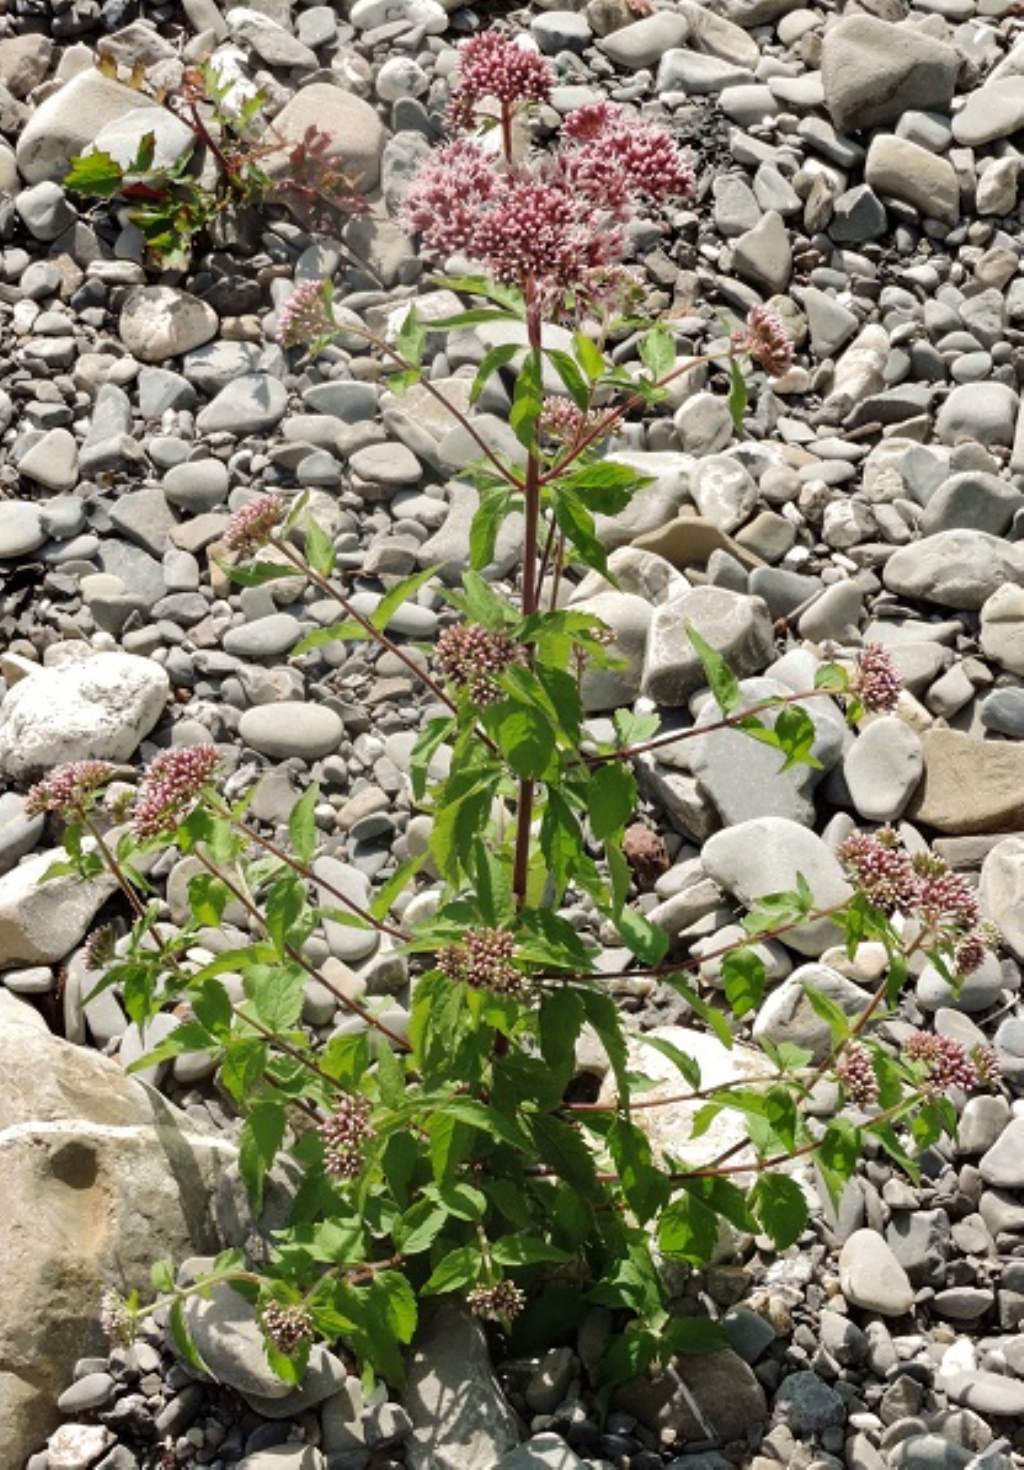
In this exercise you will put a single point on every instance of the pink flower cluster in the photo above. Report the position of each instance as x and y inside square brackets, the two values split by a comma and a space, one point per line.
[471, 658]
[856, 1072]
[561, 419]
[491, 65]
[498, 1303]
[877, 684]
[286, 1327]
[345, 1135]
[920, 886]
[117, 1321]
[555, 226]
[951, 1064]
[171, 784]
[765, 339]
[305, 316]
[251, 526]
[483, 960]
[69, 788]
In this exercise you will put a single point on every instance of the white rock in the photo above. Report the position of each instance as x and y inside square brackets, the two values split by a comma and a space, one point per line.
[101, 706]
[860, 370]
[670, 1129]
[41, 922]
[1001, 891]
[158, 322]
[68, 121]
[1002, 627]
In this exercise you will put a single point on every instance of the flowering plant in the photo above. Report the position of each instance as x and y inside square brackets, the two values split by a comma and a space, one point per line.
[452, 1156]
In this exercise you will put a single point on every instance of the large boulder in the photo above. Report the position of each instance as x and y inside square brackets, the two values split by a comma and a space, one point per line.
[99, 706]
[969, 785]
[102, 1177]
[873, 72]
[68, 121]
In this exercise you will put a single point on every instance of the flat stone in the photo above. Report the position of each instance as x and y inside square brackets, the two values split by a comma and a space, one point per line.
[788, 1015]
[969, 785]
[645, 42]
[52, 461]
[461, 1419]
[354, 131]
[764, 255]
[252, 404]
[986, 1393]
[705, 1395]
[972, 500]
[291, 728]
[1003, 1164]
[985, 412]
[958, 569]
[1002, 628]
[264, 637]
[871, 1277]
[65, 123]
[229, 1340]
[807, 1405]
[1001, 891]
[995, 110]
[765, 856]
[21, 530]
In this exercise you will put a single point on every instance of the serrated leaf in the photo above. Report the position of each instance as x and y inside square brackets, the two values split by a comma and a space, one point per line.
[182, 1339]
[744, 979]
[658, 351]
[611, 799]
[588, 355]
[496, 358]
[458, 1269]
[779, 1204]
[319, 548]
[95, 174]
[526, 1250]
[570, 376]
[261, 1137]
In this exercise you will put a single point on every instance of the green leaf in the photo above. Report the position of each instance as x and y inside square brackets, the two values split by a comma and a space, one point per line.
[570, 376]
[483, 531]
[527, 401]
[399, 594]
[737, 396]
[779, 1204]
[832, 676]
[525, 738]
[182, 1339]
[526, 1250]
[302, 824]
[143, 160]
[212, 1006]
[645, 1187]
[276, 994]
[711, 1018]
[433, 735]
[207, 898]
[256, 574]
[419, 1227]
[497, 358]
[658, 351]
[695, 1335]
[282, 909]
[836, 1019]
[472, 318]
[459, 1268]
[688, 1230]
[564, 1150]
[394, 1299]
[348, 632]
[796, 735]
[645, 940]
[688, 1066]
[561, 1020]
[245, 1061]
[411, 337]
[744, 979]
[588, 355]
[261, 1137]
[96, 174]
[721, 680]
[189, 1036]
[575, 520]
[319, 548]
[611, 799]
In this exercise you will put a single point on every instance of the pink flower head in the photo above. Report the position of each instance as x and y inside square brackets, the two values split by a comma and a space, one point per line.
[877, 684]
[498, 1303]
[173, 781]
[615, 150]
[305, 316]
[949, 1063]
[946, 900]
[492, 65]
[69, 788]
[881, 868]
[766, 340]
[484, 961]
[553, 226]
[251, 526]
[856, 1072]
[117, 1320]
[287, 1328]
[472, 658]
[345, 1135]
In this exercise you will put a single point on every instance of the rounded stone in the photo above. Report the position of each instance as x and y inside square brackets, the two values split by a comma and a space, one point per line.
[291, 728]
[872, 1278]
[882, 768]
[21, 531]
[158, 322]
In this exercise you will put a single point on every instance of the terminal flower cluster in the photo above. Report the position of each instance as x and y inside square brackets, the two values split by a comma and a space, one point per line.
[170, 786]
[484, 961]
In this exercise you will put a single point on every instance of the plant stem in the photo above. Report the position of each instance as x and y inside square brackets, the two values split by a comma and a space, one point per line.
[727, 722]
[524, 808]
[298, 958]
